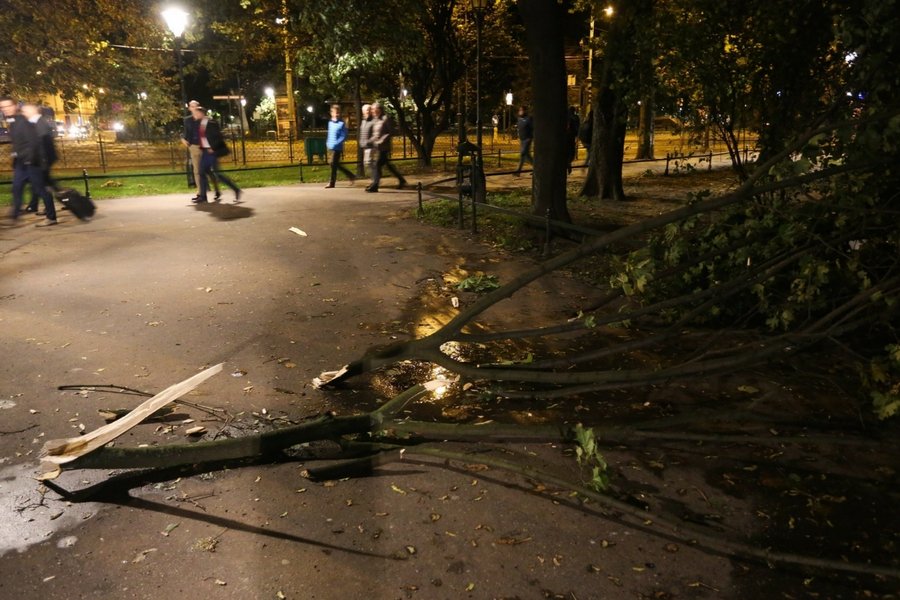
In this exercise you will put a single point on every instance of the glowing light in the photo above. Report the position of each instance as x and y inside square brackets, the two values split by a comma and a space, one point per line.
[118, 126]
[270, 92]
[176, 20]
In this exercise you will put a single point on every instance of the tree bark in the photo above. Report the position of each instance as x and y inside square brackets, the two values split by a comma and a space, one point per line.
[610, 141]
[544, 25]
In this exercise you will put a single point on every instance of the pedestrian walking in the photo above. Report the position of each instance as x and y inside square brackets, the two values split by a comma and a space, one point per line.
[46, 135]
[382, 132]
[30, 160]
[366, 124]
[190, 137]
[212, 146]
[525, 130]
[334, 141]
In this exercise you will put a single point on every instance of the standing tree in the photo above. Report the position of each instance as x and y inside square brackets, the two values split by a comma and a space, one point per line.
[766, 65]
[545, 32]
[619, 51]
[57, 47]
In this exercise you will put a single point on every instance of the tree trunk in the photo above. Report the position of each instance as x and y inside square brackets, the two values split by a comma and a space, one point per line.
[610, 141]
[591, 186]
[544, 25]
[426, 131]
[616, 76]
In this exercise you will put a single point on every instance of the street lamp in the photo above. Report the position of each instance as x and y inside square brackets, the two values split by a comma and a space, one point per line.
[176, 20]
[143, 125]
[479, 7]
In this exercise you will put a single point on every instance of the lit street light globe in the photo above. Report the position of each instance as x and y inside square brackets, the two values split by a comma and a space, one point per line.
[176, 20]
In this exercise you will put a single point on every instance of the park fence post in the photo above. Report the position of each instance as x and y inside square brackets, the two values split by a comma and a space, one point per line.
[301, 170]
[87, 187]
[291, 145]
[668, 156]
[421, 212]
[710, 161]
[102, 153]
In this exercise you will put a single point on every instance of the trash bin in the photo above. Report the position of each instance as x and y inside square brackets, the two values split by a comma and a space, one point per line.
[314, 147]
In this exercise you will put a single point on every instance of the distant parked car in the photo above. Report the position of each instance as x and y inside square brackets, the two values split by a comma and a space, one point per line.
[78, 132]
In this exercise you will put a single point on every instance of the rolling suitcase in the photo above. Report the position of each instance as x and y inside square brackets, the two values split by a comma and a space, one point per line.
[80, 205]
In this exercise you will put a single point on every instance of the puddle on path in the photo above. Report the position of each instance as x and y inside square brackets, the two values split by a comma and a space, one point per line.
[27, 517]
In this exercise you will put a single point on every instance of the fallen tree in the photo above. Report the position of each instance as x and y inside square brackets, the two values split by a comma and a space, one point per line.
[667, 288]
[369, 440]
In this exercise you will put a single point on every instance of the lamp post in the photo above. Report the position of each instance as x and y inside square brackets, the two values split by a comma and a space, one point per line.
[143, 124]
[176, 20]
[479, 7]
[509, 101]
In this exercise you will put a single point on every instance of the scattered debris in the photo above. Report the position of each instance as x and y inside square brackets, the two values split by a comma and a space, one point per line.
[298, 231]
[142, 555]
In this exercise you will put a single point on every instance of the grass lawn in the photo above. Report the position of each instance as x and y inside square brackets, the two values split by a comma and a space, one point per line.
[146, 182]
[138, 183]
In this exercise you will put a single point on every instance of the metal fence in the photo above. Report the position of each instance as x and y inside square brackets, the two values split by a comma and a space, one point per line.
[104, 152]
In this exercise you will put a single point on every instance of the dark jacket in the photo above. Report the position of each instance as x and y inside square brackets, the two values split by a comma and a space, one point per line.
[191, 132]
[32, 143]
[24, 140]
[45, 153]
[525, 127]
[215, 138]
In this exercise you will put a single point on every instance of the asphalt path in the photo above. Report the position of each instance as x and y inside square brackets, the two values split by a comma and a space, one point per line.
[293, 281]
